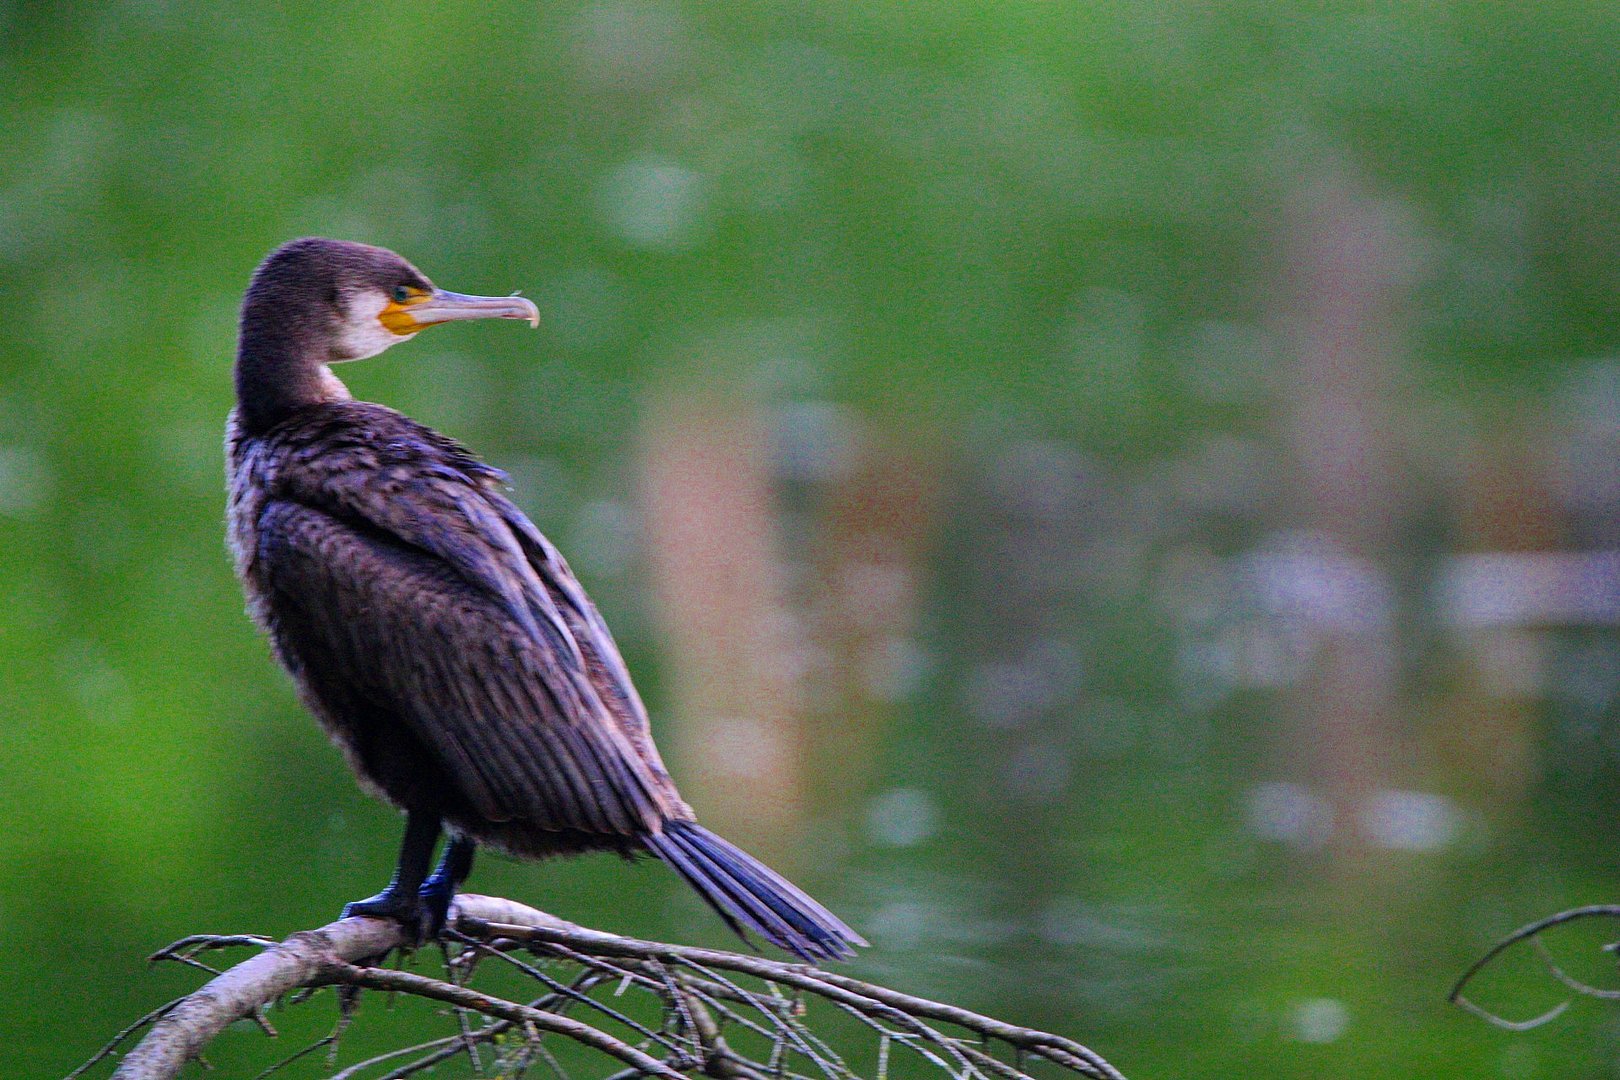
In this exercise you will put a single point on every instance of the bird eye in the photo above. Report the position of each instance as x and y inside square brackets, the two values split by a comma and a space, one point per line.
[401, 294]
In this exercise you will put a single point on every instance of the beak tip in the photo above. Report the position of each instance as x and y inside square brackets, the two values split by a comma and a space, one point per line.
[529, 313]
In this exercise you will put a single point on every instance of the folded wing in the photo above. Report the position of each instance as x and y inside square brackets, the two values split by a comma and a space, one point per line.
[415, 584]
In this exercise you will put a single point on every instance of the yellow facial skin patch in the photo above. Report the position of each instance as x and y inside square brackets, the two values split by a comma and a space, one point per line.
[396, 317]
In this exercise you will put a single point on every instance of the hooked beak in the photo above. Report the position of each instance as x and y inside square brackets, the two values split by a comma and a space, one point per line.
[441, 306]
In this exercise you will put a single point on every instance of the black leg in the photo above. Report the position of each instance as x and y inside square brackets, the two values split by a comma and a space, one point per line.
[401, 900]
[440, 889]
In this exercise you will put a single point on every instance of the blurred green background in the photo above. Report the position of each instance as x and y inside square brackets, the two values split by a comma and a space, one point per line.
[1112, 497]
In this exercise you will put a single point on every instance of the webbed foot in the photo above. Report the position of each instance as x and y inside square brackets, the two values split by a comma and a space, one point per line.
[440, 888]
[435, 896]
[404, 907]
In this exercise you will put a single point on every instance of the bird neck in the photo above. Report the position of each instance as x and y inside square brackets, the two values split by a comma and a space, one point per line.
[280, 370]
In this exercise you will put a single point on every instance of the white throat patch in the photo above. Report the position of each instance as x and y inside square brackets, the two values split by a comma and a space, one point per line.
[363, 335]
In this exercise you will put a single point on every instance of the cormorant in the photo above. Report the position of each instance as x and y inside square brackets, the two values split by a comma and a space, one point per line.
[437, 635]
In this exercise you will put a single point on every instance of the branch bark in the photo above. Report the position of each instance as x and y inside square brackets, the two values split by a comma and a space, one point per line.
[310, 958]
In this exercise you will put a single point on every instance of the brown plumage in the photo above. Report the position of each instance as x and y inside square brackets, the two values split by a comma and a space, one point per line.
[438, 636]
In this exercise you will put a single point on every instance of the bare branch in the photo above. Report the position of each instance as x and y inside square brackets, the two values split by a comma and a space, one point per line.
[701, 992]
[305, 959]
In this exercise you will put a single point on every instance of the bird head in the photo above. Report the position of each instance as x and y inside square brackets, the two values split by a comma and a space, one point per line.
[348, 301]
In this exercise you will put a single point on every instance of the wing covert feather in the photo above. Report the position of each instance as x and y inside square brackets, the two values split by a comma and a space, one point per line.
[519, 726]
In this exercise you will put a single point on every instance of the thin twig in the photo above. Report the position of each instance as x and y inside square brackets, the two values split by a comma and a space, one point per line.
[1528, 931]
[541, 977]
[434, 989]
[325, 1040]
[450, 1042]
[834, 1069]
[1584, 989]
[197, 943]
[829, 985]
[118, 1039]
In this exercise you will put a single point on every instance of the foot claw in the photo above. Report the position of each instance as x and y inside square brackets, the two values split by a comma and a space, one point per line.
[407, 909]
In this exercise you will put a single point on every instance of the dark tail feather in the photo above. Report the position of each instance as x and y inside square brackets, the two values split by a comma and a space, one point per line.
[746, 892]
